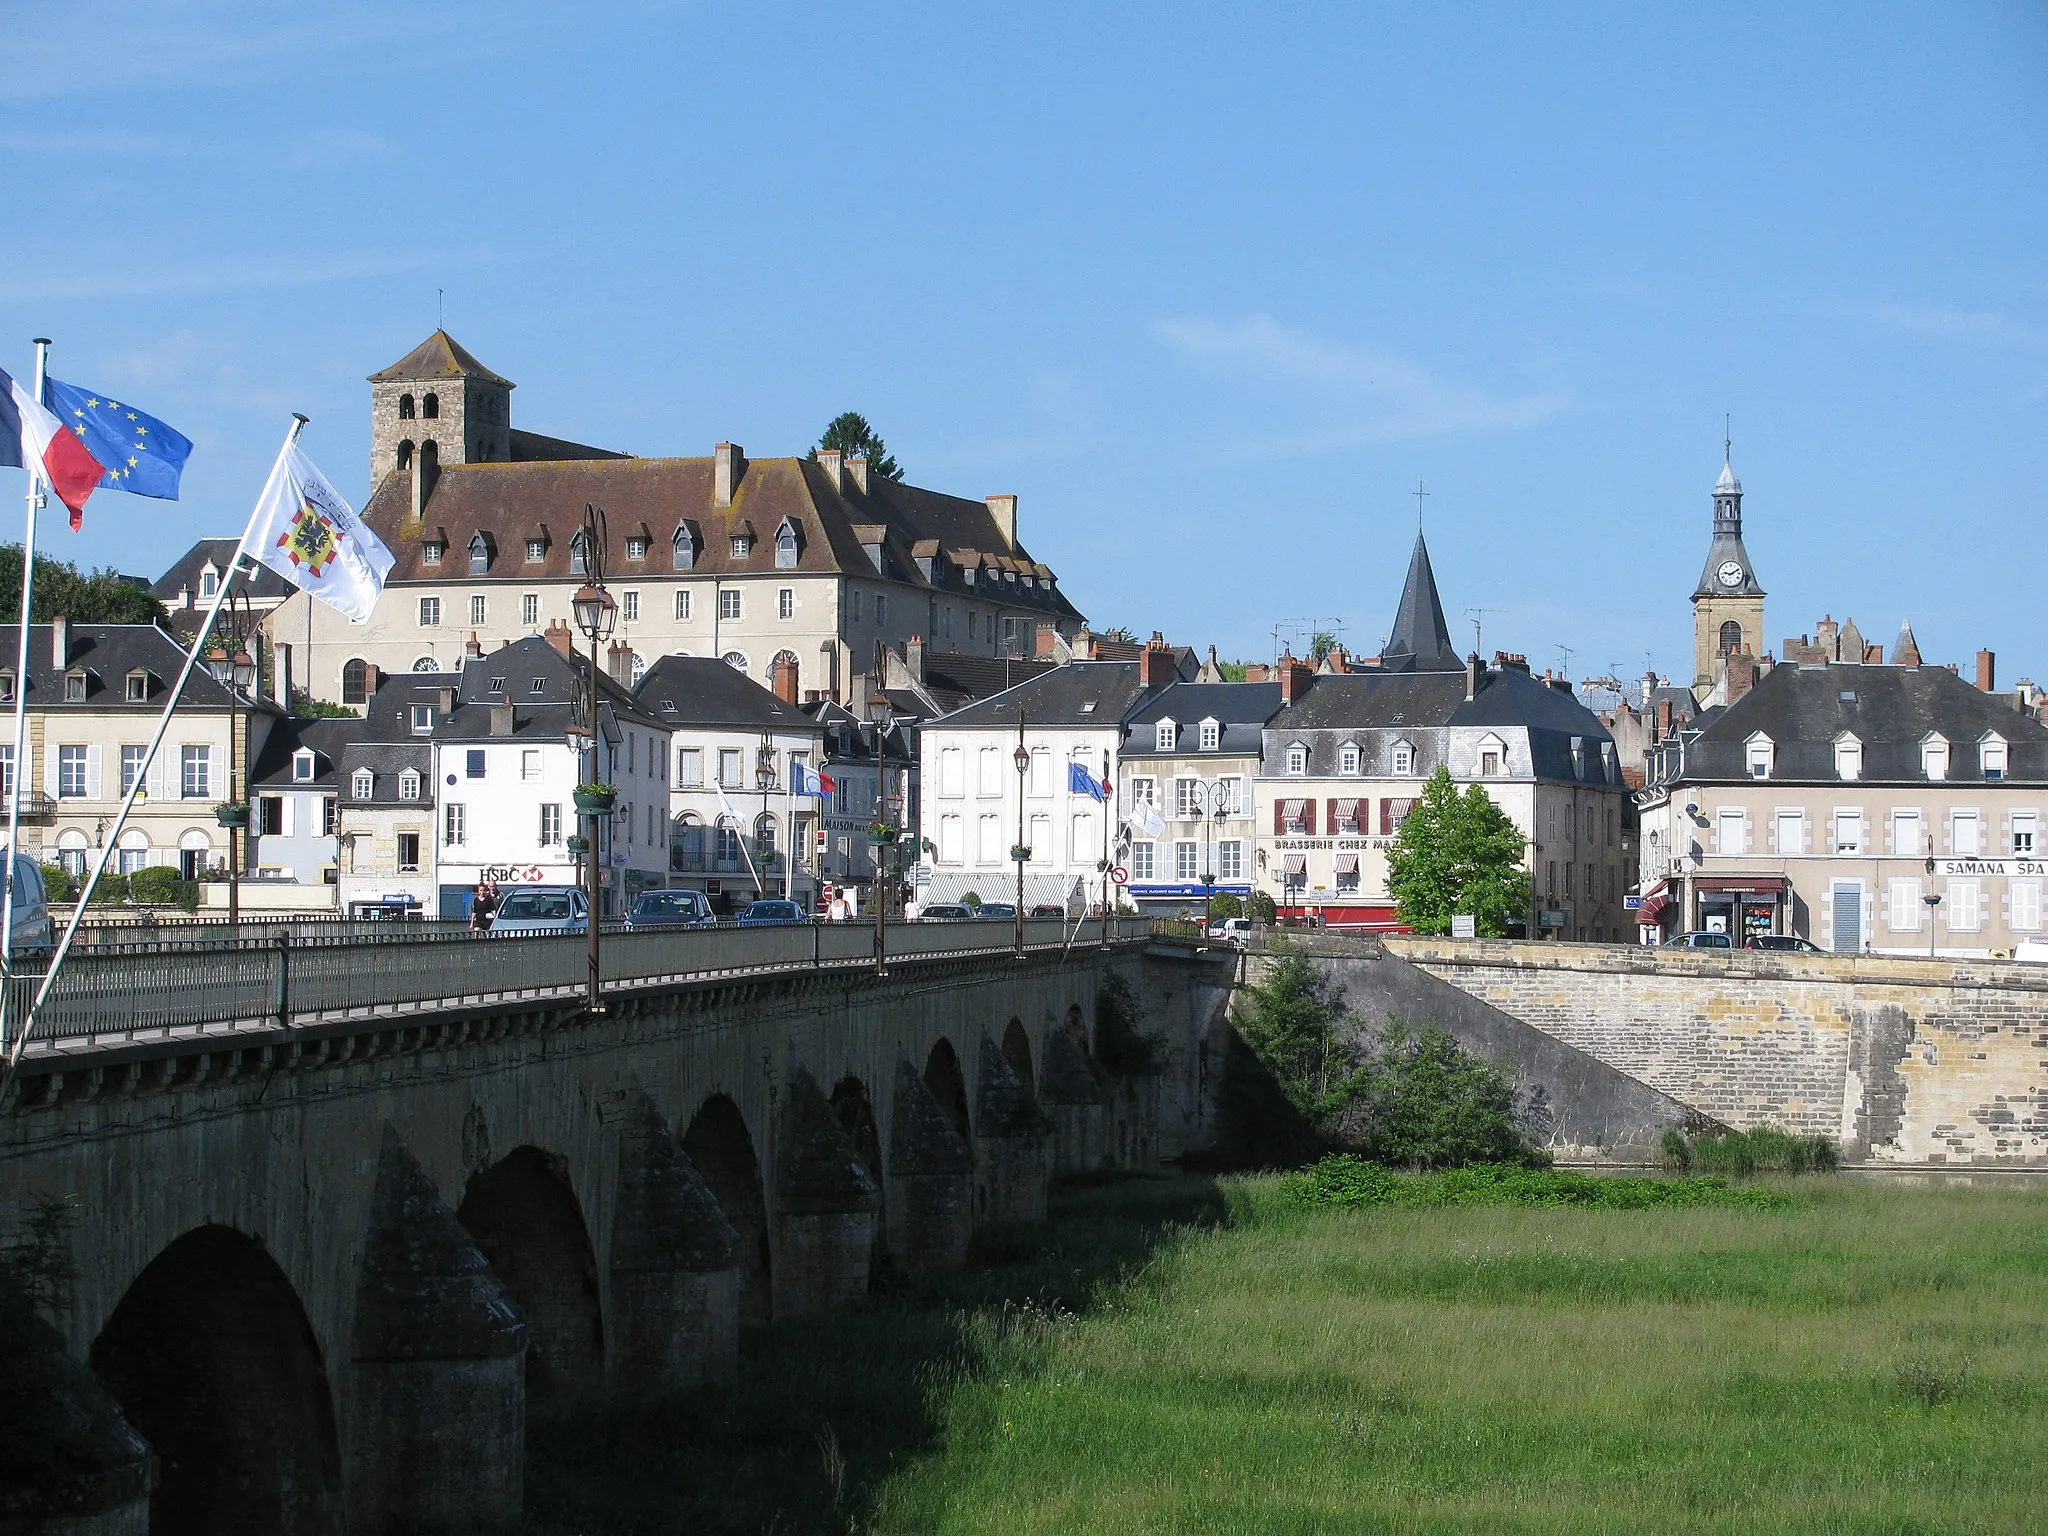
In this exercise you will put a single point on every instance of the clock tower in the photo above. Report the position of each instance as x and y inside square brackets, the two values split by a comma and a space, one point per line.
[1728, 604]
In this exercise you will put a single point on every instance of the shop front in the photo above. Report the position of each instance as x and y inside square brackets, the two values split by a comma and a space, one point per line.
[1743, 906]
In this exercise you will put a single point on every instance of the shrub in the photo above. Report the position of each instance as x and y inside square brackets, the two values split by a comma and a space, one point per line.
[1259, 907]
[1763, 1150]
[1223, 905]
[1677, 1154]
[159, 886]
[972, 901]
[1350, 1182]
[59, 883]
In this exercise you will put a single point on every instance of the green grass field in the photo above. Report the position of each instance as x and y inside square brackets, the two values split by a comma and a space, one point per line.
[1870, 1359]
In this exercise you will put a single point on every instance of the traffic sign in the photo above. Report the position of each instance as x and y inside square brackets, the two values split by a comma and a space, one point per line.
[1120, 876]
[1631, 903]
[921, 875]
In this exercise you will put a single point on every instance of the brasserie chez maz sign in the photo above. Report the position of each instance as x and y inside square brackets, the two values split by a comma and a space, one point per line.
[2023, 868]
[1341, 844]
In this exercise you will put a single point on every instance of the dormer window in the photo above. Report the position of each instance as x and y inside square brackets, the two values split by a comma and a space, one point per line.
[303, 766]
[497, 685]
[684, 548]
[1347, 758]
[7, 687]
[636, 547]
[1934, 757]
[1493, 756]
[421, 719]
[1991, 756]
[209, 581]
[536, 549]
[431, 550]
[362, 784]
[74, 686]
[1760, 754]
[1163, 736]
[138, 687]
[1848, 757]
[1403, 759]
[1297, 759]
[409, 784]
[1212, 735]
[787, 546]
[480, 552]
[579, 556]
[742, 545]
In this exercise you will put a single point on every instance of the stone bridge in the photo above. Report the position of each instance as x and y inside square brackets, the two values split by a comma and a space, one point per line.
[1903, 1061]
[323, 1269]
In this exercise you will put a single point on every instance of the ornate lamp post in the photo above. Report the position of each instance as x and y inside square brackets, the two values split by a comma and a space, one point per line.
[596, 613]
[1933, 903]
[1022, 851]
[879, 834]
[235, 670]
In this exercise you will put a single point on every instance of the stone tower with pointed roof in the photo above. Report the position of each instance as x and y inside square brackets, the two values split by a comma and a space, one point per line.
[1420, 641]
[1728, 603]
[440, 405]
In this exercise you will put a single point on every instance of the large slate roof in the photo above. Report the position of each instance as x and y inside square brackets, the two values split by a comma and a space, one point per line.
[1241, 709]
[328, 739]
[108, 653]
[702, 690]
[262, 584]
[440, 356]
[1890, 710]
[1081, 693]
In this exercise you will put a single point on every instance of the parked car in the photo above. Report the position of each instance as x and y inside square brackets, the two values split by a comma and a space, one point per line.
[541, 909]
[1790, 942]
[769, 913]
[671, 909]
[1235, 931]
[1001, 911]
[2034, 950]
[32, 928]
[945, 912]
[1048, 909]
[1698, 940]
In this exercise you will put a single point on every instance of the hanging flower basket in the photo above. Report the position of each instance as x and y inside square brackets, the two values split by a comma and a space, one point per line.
[1021, 852]
[882, 832]
[235, 817]
[579, 845]
[595, 799]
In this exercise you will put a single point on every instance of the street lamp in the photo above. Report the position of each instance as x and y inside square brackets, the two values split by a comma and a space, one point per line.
[1216, 796]
[1022, 851]
[1932, 901]
[879, 715]
[235, 670]
[595, 613]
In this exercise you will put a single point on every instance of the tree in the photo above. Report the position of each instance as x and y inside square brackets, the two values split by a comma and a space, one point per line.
[1320, 644]
[1233, 671]
[1458, 854]
[63, 592]
[1223, 904]
[1426, 1102]
[1122, 634]
[1296, 1023]
[851, 435]
[1261, 909]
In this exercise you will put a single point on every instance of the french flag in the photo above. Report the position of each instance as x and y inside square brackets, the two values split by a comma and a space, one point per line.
[30, 435]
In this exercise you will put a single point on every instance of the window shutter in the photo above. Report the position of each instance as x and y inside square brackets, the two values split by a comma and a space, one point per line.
[153, 781]
[284, 818]
[1279, 818]
[92, 772]
[1308, 817]
[50, 768]
[1330, 813]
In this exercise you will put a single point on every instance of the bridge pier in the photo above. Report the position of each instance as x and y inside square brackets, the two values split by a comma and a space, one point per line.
[675, 1279]
[824, 1210]
[1010, 1141]
[438, 1356]
[931, 1174]
[1070, 1088]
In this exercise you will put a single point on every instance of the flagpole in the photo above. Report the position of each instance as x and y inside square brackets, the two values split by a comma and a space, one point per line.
[135, 789]
[789, 821]
[36, 498]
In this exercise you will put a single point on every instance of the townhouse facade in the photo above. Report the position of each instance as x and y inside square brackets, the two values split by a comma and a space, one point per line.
[1868, 808]
[386, 802]
[94, 692]
[1192, 755]
[782, 566]
[737, 832]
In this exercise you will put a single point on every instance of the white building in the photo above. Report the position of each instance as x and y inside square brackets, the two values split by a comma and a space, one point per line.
[1193, 753]
[295, 818]
[976, 806]
[736, 832]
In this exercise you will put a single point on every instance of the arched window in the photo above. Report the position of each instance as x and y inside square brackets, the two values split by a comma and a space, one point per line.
[685, 548]
[764, 838]
[355, 682]
[405, 454]
[579, 563]
[728, 851]
[423, 664]
[430, 458]
[405, 407]
[736, 660]
[430, 407]
[786, 546]
[1731, 637]
[479, 554]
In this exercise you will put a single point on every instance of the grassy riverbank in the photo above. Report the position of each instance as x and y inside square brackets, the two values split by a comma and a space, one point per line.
[1870, 1359]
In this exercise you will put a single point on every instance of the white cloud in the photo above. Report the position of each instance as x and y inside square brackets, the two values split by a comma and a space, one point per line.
[1376, 396]
[1941, 322]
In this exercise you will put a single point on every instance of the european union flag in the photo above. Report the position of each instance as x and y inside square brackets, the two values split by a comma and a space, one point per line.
[141, 453]
[1081, 782]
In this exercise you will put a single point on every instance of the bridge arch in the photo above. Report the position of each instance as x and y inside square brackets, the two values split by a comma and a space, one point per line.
[948, 1084]
[855, 1111]
[1017, 1052]
[525, 1217]
[719, 1145]
[212, 1359]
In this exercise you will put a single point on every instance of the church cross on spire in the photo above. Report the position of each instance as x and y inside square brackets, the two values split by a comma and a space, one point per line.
[1418, 493]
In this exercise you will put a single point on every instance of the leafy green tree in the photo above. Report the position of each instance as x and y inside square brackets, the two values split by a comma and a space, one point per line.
[1458, 854]
[63, 591]
[851, 435]
[1320, 644]
[1424, 1101]
[1122, 634]
[1296, 1023]
[1259, 907]
[1233, 671]
[1224, 904]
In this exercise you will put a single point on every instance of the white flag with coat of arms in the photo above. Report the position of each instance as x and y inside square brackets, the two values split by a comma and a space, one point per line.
[309, 535]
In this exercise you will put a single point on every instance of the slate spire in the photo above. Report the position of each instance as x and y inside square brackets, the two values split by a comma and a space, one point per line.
[1420, 641]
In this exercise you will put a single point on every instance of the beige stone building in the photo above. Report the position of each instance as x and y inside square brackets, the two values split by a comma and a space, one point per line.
[1888, 809]
[790, 569]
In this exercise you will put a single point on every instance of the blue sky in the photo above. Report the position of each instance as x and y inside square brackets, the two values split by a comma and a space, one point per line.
[1210, 289]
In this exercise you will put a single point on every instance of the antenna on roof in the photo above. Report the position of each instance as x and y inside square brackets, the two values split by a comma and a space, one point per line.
[1478, 617]
[1565, 667]
[1418, 493]
[440, 308]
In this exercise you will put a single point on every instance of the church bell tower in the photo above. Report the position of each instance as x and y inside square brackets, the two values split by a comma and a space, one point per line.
[1728, 604]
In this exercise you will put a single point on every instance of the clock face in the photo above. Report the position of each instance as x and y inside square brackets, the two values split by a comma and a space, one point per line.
[1731, 574]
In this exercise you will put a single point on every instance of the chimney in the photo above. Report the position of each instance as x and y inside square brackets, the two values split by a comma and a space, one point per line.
[1827, 637]
[857, 469]
[1004, 510]
[857, 696]
[1155, 664]
[419, 487]
[60, 643]
[1663, 720]
[560, 636]
[474, 648]
[501, 719]
[1475, 669]
[1045, 642]
[730, 462]
[782, 679]
[1649, 688]
[1741, 674]
[1295, 677]
[832, 461]
[1987, 672]
[373, 679]
[444, 699]
[913, 659]
[1257, 672]
[619, 663]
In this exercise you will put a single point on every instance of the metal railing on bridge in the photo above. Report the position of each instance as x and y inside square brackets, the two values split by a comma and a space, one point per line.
[199, 989]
